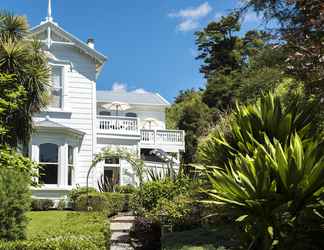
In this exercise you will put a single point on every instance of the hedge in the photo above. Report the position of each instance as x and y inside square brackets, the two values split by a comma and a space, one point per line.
[50, 244]
[110, 203]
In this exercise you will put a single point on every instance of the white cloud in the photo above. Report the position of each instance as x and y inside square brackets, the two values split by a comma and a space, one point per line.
[252, 17]
[119, 87]
[189, 17]
[188, 25]
[193, 13]
[140, 91]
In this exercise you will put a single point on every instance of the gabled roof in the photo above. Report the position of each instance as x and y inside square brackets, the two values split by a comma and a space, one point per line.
[133, 97]
[100, 58]
[49, 124]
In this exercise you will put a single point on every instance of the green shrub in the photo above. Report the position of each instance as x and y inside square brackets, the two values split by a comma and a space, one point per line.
[126, 189]
[151, 192]
[50, 244]
[146, 199]
[16, 174]
[41, 204]
[78, 191]
[178, 212]
[110, 203]
[92, 201]
[117, 202]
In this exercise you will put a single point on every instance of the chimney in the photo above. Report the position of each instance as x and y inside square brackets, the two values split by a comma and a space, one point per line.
[91, 43]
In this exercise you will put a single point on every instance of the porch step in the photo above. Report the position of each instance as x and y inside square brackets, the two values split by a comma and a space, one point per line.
[121, 246]
[120, 226]
[123, 219]
[119, 237]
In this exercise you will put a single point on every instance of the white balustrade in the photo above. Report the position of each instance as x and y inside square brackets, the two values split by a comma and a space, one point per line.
[162, 137]
[117, 125]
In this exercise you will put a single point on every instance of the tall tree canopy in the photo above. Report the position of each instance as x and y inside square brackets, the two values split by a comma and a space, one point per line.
[233, 64]
[301, 31]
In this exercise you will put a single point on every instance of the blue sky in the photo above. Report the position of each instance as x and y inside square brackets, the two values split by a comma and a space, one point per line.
[150, 44]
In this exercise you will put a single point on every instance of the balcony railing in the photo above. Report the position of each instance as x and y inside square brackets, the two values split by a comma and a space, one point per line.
[129, 126]
[117, 125]
[162, 137]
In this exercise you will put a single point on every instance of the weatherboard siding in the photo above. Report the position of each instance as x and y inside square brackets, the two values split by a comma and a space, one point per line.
[79, 89]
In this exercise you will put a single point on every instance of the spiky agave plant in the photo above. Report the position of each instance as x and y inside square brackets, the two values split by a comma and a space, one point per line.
[272, 180]
[246, 126]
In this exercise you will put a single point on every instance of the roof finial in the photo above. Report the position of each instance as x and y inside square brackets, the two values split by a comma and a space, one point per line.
[49, 13]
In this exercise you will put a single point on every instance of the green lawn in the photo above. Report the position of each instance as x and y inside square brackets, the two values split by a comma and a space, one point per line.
[52, 224]
[205, 238]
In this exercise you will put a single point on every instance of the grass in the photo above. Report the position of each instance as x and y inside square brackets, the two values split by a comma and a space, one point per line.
[204, 238]
[52, 224]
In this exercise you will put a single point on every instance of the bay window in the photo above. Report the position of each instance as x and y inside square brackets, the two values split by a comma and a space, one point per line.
[48, 160]
[70, 164]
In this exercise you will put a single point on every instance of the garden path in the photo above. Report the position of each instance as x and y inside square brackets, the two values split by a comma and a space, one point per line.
[120, 227]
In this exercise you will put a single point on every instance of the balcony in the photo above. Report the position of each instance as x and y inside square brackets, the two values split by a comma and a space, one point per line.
[118, 125]
[128, 127]
[162, 137]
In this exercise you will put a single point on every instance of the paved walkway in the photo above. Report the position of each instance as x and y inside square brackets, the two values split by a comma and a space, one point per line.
[120, 227]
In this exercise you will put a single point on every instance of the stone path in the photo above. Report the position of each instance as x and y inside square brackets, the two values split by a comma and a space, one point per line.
[120, 227]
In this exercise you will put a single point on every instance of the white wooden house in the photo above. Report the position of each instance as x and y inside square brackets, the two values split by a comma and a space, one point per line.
[80, 121]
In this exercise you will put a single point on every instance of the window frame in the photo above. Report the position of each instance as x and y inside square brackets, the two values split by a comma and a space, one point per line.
[63, 83]
[51, 163]
[71, 165]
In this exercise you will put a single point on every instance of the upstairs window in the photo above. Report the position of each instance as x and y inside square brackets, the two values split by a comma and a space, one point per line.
[48, 159]
[56, 93]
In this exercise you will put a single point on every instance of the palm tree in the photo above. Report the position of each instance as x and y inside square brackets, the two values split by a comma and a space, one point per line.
[24, 60]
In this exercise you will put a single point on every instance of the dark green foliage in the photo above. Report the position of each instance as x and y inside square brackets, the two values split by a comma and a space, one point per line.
[41, 204]
[16, 174]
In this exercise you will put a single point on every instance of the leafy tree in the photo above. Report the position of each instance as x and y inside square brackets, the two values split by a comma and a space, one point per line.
[233, 65]
[301, 31]
[26, 64]
[189, 113]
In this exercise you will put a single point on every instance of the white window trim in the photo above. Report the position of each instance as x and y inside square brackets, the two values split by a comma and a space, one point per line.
[62, 175]
[64, 106]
